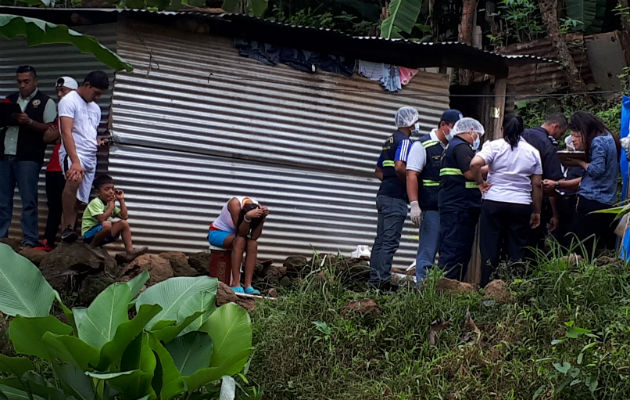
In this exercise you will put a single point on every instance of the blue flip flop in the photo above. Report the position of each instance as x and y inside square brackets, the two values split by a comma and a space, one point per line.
[238, 289]
[251, 290]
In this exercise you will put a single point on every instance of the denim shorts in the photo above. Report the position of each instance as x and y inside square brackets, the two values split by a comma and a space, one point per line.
[89, 235]
[216, 237]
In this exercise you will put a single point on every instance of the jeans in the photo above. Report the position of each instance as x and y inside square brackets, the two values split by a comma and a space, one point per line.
[457, 235]
[391, 217]
[26, 175]
[428, 244]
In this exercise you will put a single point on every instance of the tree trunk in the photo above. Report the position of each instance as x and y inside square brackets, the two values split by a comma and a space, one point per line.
[549, 12]
[466, 27]
[625, 32]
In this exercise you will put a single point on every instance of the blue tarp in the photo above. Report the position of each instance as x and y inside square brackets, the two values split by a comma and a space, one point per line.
[623, 162]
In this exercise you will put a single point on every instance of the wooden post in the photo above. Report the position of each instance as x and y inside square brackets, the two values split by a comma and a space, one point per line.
[500, 90]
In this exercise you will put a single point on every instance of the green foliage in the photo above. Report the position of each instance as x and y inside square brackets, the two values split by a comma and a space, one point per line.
[403, 15]
[590, 14]
[23, 289]
[177, 343]
[522, 21]
[310, 346]
[257, 8]
[38, 32]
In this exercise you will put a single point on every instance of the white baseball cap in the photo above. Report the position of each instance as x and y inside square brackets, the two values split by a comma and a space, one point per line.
[68, 82]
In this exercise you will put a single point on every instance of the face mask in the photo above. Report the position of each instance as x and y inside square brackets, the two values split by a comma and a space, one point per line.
[476, 143]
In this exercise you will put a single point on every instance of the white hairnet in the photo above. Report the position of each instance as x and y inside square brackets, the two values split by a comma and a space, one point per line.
[466, 125]
[569, 142]
[406, 116]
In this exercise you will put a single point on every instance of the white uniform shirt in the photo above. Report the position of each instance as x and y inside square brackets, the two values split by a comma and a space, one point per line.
[87, 117]
[417, 159]
[224, 222]
[510, 170]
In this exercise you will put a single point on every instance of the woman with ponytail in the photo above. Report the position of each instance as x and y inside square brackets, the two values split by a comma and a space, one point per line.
[512, 195]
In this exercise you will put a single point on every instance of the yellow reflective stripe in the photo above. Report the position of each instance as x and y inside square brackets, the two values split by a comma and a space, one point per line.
[429, 182]
[471, 185]
[450, 171]
[388, 163]
[429, 143]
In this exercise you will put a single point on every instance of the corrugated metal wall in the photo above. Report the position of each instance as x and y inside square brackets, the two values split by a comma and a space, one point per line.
[52, 61]
[196, 123]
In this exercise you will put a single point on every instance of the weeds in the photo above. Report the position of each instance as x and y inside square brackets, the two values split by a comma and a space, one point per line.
[567, 336]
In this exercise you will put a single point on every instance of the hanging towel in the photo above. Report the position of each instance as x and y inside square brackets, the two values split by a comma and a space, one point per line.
[391, 78]
[371, 70]
[406, 74]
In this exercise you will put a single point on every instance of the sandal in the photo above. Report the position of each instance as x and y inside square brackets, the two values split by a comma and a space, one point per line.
[251, 290]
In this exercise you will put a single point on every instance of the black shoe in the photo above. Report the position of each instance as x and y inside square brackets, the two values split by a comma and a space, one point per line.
[69, 235]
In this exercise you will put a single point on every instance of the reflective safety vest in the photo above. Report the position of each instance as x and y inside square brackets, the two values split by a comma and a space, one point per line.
[430, 176]
[456, 192]
[392, 185]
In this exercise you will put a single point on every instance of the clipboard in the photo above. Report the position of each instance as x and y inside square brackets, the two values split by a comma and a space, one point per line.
[566, 156]
[6, 113]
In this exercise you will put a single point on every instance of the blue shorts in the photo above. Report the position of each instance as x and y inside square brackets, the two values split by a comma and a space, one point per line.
[89, 235]
[216, 237]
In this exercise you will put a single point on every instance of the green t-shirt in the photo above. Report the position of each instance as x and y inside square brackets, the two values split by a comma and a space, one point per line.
[95, 208]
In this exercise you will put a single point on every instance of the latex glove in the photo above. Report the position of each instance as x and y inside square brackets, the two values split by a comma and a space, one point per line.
[415, 213]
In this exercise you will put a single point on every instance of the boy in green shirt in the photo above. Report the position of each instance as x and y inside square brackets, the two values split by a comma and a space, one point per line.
[98, 227]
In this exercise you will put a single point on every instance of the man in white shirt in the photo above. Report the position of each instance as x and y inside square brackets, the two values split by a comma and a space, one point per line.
[22, 146]
[79, 117]
[423, 172]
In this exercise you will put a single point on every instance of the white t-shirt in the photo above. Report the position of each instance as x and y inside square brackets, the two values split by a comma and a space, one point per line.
[87, 117]
[510, 170]
[417, 159]
[224, 221]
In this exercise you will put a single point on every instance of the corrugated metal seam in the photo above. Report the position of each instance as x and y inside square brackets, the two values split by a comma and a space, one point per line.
[51, 62]
[196, 124]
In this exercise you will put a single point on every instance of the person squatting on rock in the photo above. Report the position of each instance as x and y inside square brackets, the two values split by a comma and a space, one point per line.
[237, 228]
[391, 199]
[512, 195]
[54, 174]
[22, 146]
[459, 198]
[98, 226]
[79, 117]
[423, 182]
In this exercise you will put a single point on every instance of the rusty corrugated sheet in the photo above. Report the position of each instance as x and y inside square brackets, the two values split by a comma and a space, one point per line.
[541, 78]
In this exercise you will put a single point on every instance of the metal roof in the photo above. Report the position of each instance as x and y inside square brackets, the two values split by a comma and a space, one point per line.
[392, 51]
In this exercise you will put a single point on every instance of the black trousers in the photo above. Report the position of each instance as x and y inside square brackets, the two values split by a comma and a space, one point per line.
[54, 188]
[457, 235]
[566, 214]
[504, 227]
[594, 227]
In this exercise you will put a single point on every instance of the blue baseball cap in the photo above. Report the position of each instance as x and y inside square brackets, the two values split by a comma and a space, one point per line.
[451, 116]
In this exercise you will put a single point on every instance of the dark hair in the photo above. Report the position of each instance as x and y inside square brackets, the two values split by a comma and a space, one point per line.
[26, 68]
[241, 216]
[512, 129]
[590, 126]
[98, 79]
[557, 118]
[101, 180]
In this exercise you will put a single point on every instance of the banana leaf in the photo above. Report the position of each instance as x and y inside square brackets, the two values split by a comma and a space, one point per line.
[402, 18]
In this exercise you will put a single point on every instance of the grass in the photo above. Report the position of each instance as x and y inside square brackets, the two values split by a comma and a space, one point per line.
[567, 336]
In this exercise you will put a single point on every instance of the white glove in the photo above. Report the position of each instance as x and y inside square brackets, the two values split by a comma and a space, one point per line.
[415, 213]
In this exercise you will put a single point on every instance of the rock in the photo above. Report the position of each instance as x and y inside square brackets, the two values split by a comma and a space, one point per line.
[65, 266]
[159, 268]
[179, 263]
[295, 263]
[606, 260]
[363, 306]
[92, 285]
[246, 302]
[200, 262]
[273, 292]
[225, 294]
[285, 282]
[454, 286]
[498, 291]
[36, 256]
[572, 258]
[275, 274]
[13, 243]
